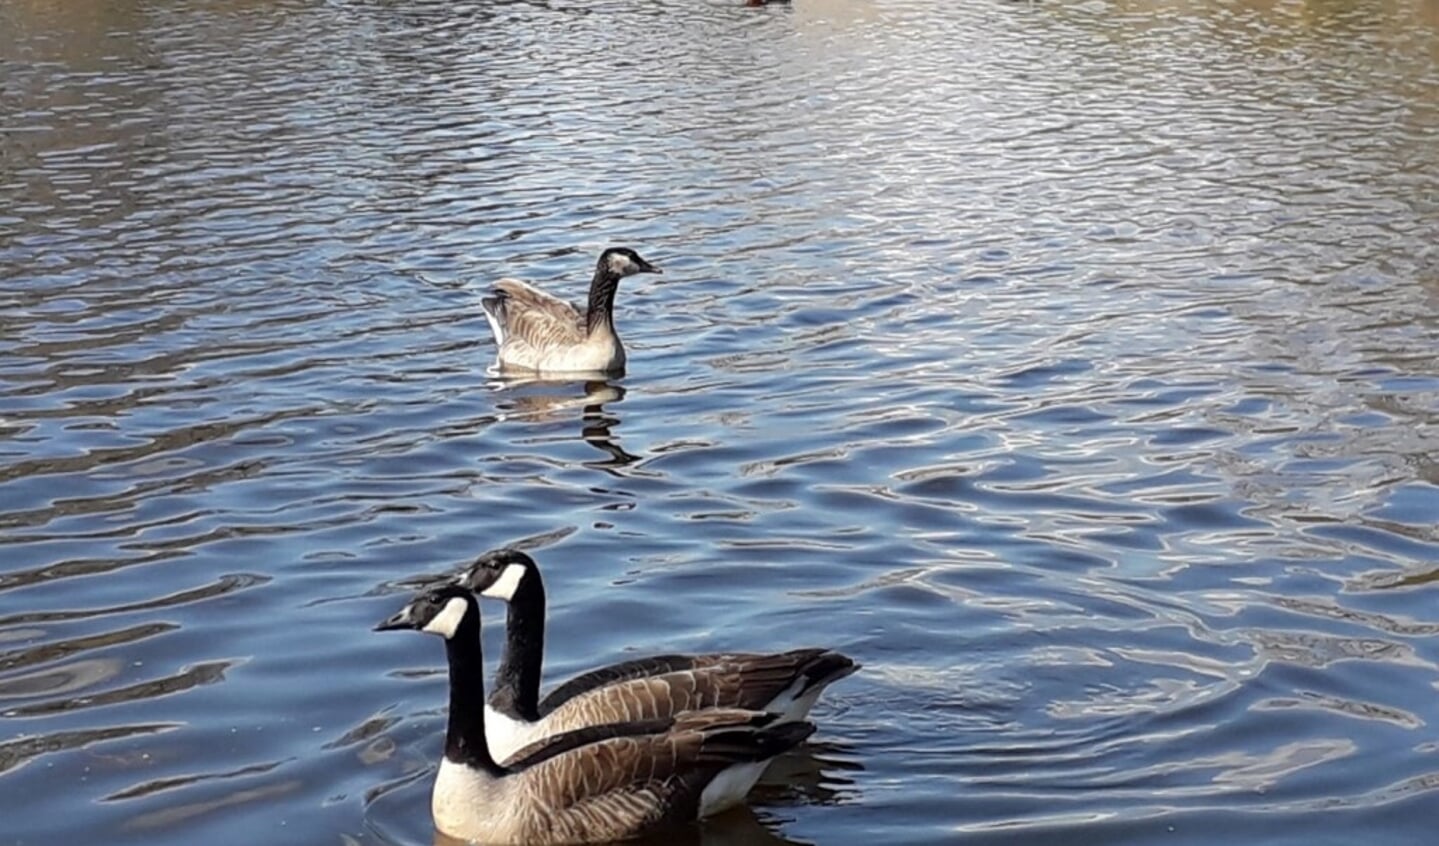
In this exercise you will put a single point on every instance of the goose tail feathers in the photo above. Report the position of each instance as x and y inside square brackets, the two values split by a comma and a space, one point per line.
[494, 308]
[749, 744]
[826, 669]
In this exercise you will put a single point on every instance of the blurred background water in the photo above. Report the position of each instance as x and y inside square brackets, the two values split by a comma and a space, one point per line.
[1072, 365]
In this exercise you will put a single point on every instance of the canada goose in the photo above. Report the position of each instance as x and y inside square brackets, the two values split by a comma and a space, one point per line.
[597, 784]
[786, 683]
[539, 332]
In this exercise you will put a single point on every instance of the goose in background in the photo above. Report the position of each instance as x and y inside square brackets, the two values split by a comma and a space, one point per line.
[541, 333]
[598, 784]
[785, 683]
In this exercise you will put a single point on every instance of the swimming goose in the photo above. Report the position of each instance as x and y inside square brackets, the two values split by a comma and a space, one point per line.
[786, 683]
[597, 784]
[542, 333]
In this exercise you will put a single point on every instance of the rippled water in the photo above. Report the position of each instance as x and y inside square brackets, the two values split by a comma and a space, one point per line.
[1072, 365]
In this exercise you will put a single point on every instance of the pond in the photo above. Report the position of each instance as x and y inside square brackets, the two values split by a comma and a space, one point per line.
[1073, 366]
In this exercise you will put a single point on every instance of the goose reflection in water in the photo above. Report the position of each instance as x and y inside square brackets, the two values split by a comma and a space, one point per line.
[536, 400]
[809, 775]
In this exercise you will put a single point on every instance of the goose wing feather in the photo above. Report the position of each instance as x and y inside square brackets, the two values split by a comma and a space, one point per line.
[529, 317]
[624, 671]
[558, 744]
[618, 786]
[738, 680]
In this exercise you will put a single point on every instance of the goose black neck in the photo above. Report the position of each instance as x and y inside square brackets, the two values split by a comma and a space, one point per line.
[602, 297]
[517, 685]
[465, 731]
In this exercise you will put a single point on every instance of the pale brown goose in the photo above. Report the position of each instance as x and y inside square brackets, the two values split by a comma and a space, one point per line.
[785, 683]
[598, 784]
[539, 332]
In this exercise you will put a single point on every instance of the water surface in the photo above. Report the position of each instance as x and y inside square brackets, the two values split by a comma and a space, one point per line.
[1072, 365]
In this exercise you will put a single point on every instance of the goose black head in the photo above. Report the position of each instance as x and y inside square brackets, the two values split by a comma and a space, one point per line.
[439, 611]
[622, 261]
[499, 573]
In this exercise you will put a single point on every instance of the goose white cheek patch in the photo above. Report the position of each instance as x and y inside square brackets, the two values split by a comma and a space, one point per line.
[447, 622]
[505, 586]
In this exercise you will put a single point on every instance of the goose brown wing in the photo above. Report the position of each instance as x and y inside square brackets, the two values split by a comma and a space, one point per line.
[657, 665]
[534, 318]
[616, 787]
[558, 744]
[712, 681]
[624, 671]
